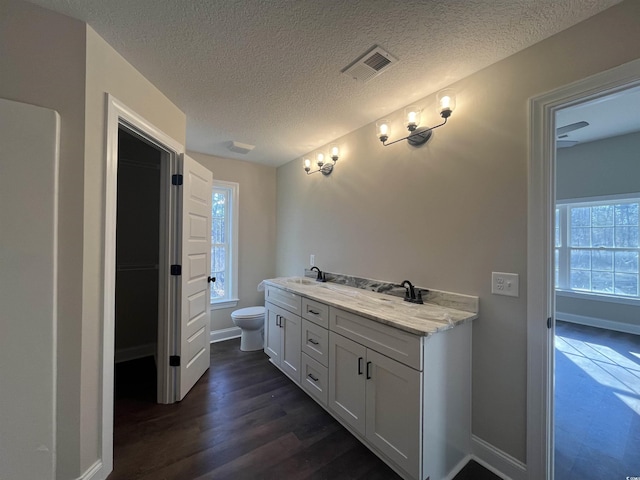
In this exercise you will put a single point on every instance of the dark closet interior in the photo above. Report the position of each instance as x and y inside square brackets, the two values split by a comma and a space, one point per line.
[137, 260]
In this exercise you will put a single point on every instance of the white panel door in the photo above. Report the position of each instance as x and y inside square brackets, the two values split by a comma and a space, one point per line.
[393, 410]
[291, 333]
[196, 267]
[29, 137]
[272, 334]
[347, 377]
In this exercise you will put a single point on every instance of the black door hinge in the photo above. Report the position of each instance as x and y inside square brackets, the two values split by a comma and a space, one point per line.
[549, 321]
[174, 361]
[176, 269]
[176, 179]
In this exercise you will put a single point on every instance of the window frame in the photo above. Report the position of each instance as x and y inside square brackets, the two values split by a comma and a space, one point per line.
[231, 232]
[562, 260]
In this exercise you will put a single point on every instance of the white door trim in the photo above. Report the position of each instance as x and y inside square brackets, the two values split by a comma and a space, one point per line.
[117, 113]
[540, 297]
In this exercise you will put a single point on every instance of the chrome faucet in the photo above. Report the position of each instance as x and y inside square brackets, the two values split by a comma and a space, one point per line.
[321, 276]
[410, 294]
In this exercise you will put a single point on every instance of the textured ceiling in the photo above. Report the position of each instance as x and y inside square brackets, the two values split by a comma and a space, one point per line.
[608, 116]
[267, 72]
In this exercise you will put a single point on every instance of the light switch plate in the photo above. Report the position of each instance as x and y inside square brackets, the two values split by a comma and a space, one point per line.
[312, 260]
[505, 284]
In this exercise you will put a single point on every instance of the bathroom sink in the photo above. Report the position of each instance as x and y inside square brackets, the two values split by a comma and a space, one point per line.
[301, 281]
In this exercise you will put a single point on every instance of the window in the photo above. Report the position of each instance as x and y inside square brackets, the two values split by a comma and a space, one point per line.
[597, 247]
[224, 244]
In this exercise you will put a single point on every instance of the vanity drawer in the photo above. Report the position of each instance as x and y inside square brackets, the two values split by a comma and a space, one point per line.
[316, 312]
[391, 342]
[287, 300]
[315, 342]
[314, 379]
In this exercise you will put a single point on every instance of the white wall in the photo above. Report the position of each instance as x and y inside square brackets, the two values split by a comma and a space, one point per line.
[604, 167]
[449, 213]
[30, 138]
[257, 228]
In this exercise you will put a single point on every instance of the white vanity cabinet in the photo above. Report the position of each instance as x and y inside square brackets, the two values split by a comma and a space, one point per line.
[283, 331]
[379, 398]
[406, 396]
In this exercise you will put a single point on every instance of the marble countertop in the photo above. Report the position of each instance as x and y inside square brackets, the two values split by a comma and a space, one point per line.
[425, 319]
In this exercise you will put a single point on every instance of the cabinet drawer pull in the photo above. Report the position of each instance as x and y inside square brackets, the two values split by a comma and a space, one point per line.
[314, 312]
[360, 365]
[368, 371]
[311, 340]
[312, 377]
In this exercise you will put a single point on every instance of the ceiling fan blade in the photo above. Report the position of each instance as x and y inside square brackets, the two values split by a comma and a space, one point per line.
[571, 127]
[565, 143]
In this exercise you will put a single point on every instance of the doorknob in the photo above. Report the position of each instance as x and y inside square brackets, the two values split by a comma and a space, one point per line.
[211, 279]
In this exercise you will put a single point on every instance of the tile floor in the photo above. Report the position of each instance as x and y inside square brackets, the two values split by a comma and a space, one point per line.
[597, 404]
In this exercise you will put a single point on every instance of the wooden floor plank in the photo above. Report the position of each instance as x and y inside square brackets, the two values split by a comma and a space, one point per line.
[244, 419]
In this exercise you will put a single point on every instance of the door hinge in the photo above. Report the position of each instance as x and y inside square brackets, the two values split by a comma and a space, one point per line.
[174, 361]
[549, 321]
[176, 179]
[176, 269]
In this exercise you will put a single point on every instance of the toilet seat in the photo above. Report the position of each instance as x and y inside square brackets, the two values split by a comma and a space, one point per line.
[248, 312]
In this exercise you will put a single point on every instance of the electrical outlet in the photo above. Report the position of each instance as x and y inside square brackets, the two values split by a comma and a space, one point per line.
[505, 284]
[312, 260]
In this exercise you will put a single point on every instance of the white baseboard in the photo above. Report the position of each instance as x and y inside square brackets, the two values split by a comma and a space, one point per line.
[133, 353]
[225, 334]
[497, 461]
[599, 322]
[94, 472]
[458, 468]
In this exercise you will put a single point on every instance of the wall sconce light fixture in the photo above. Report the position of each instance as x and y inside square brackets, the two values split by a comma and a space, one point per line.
[418, 136]
[323, 167]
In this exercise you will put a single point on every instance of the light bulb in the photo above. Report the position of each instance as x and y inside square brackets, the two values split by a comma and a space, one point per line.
[335, 152]
[382, 128]
[446, 103]
[320, 158]
[413, 117]
[307, 163]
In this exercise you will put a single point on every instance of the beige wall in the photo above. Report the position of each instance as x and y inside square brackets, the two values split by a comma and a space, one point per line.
[449, 213]
[257, 228]
[107, 72]
[42, 62]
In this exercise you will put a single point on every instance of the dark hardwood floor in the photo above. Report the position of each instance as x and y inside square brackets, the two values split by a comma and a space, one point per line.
[243, 420]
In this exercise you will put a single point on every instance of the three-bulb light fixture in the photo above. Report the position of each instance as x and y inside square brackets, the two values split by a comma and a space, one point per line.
[324, 166]
[418, 136]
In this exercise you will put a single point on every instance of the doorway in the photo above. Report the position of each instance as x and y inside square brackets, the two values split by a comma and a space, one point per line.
[540, 253]
[597, 298]
[137, 268]
[184, 253]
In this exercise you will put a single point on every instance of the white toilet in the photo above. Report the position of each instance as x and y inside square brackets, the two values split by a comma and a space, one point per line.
[251, 321]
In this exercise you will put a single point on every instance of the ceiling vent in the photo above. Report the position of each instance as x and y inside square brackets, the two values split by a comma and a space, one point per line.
[370, 65]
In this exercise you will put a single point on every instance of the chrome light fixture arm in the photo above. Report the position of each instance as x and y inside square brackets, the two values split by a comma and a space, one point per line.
[418, 137]
[323, 167]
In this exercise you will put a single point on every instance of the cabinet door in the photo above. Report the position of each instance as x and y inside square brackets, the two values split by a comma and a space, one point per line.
[347, 380]
[272, 334]
[393, 411]
[291, 333]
